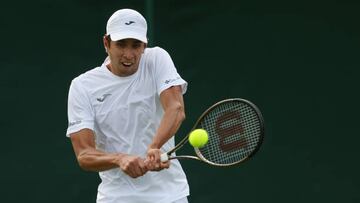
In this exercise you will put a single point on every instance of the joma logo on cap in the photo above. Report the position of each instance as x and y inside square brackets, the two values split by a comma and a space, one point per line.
[129, 23]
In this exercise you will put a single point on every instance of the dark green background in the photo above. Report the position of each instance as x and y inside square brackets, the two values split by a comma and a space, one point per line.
[297, 60]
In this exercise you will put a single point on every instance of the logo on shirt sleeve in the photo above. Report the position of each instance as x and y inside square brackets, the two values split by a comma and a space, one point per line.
[72, 123]
[171, 80]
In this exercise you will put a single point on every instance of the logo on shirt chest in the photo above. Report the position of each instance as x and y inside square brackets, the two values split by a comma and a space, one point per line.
[103, 97]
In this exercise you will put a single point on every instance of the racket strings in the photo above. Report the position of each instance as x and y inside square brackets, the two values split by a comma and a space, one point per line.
[234, 132]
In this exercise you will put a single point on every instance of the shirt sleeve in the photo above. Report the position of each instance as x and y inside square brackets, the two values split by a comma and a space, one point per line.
[166, 74]
[80, 111]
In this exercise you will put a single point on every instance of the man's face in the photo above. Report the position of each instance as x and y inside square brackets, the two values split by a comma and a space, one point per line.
[124, 55]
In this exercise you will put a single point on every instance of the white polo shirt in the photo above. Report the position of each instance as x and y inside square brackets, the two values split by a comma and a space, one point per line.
[124, 113]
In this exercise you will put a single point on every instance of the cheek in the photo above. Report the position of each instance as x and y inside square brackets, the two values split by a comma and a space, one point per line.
[114, 57]
[138, 57]
[114, 53]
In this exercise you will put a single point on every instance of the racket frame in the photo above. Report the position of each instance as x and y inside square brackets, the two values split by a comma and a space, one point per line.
[167, 155]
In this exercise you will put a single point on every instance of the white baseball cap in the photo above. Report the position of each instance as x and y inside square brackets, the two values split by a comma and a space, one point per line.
[127, 23]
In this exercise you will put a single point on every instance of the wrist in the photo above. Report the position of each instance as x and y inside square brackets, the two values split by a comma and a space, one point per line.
[117, 158]
[154, 145]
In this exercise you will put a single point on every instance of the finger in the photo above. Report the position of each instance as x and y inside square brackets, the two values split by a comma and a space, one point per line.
[152, 160]
[140, 167]
[149, 156]
[146, 160]
[165, 164]
[149, 164]
[143, 167]
[130, 170]
[132, 175]
[157, 156]
[157, 160]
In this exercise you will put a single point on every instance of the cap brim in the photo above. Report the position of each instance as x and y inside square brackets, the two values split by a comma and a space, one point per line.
[127, 35]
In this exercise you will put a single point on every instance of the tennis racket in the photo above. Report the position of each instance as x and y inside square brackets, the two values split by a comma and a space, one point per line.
[236, 131]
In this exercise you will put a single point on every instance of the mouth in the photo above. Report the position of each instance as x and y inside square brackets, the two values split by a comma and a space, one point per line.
[127, 64]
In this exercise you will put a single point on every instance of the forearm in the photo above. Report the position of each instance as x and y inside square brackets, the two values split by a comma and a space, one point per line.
[174, 113]
[91, 159]
[95, 160]
[169, 125]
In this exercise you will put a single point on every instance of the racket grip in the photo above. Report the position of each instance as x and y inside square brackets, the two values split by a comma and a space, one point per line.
[164, 157]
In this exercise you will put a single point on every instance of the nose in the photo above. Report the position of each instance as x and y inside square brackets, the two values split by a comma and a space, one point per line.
[128, 53]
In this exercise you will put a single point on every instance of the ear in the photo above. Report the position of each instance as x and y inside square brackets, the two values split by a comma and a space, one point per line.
[106, 43]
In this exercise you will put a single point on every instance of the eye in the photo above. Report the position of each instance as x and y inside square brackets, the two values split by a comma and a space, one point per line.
[137, 45]
[121, 44]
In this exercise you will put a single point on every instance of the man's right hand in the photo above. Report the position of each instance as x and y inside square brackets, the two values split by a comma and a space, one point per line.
[133, 166]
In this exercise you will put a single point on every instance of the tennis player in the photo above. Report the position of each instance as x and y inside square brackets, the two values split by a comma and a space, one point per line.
[124, 113]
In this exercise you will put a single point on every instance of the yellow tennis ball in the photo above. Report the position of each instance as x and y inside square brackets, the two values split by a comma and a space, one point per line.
[198, 138]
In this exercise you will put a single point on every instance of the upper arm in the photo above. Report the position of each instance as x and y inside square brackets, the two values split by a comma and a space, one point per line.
[82, 141]
[173, 98]
[79, 109]
[166, 73]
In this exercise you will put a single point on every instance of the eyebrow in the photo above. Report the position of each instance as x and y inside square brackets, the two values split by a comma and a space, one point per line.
[137, 41]
[123, 40]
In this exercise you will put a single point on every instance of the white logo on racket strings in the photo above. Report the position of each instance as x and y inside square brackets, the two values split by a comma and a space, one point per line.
[101, 99]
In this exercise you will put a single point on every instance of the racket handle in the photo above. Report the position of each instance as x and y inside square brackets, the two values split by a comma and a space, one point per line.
[164, 157]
